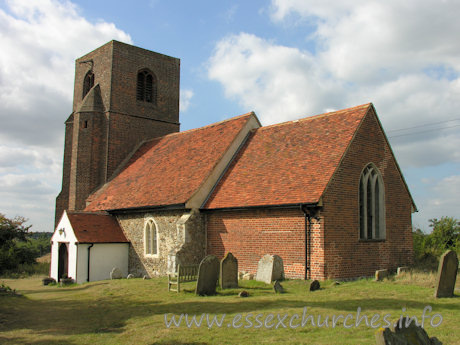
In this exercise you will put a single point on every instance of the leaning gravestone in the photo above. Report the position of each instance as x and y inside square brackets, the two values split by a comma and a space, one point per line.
[208, 274]
[228, 272]
[447, 274]
[116, 273]
[270, 268]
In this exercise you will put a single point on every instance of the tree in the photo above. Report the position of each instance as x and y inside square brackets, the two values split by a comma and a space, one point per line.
[445, 234]
[12, 233]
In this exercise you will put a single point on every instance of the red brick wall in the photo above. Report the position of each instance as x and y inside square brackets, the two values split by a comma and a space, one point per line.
[346, 256]
[336, 251]
[250, 234]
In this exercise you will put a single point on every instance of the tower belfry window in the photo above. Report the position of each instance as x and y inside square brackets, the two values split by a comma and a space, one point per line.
[146, 87]
[88, 83]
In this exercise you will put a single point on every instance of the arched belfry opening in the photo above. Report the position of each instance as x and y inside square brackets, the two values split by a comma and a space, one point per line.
[146, 86]
[88, 83]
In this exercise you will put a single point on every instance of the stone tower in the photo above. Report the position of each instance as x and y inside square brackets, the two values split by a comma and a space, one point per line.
[123, 95]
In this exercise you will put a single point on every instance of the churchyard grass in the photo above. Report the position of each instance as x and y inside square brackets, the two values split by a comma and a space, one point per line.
[132, 312]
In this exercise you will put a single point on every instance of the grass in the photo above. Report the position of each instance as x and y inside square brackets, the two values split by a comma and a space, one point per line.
[132, 312]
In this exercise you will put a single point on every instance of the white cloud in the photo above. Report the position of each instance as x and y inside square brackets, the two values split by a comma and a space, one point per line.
[185, 99]
[442, 200]
[277, 82]
[43, 37]
[402, 56]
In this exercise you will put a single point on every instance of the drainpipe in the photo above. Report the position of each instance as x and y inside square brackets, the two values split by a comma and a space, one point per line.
[89, 256]
[307, 241]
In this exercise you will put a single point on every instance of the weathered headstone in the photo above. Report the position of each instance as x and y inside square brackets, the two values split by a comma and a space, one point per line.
[208, 274]
[278, 287]
[405, 335]
[447, 275]
[228, 272]
[381, 274]
[270, 268]
[116, 273]
[402, 269]
[314, 285]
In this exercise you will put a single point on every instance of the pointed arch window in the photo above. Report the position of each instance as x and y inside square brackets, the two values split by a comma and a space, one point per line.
[88, 83]
[371, 204]
[150, 238]
[146, 87]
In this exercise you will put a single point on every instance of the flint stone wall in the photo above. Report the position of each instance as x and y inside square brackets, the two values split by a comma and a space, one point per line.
[178, 231]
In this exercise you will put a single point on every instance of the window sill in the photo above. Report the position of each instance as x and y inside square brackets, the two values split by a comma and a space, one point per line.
[372, 240]
[152, 256]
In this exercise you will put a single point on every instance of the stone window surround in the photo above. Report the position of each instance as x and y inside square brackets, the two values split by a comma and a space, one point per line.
[88, 83]
[151, 225]
[371, 174]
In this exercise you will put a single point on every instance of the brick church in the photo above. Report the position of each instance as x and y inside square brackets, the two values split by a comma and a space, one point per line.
[325, 192]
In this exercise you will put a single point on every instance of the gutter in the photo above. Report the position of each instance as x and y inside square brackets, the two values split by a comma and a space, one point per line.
[243, 208]
[89, 256]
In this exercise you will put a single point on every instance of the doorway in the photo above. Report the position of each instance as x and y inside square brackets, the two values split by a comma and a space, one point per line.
[63, 262]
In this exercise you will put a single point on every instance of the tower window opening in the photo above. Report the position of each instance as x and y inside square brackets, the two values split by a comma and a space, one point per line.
[146, 87]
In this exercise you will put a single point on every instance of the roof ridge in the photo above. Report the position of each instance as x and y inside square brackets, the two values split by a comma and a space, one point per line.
[314, 117]
[99, 213]
[201, 128]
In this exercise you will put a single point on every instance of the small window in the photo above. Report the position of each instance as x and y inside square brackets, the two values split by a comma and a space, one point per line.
[371, 204]
[146, 87]
[151, 238]
[88, 83]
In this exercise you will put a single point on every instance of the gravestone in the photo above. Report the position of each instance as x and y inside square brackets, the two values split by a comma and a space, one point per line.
[447, 275]
[130, 276]
[208, 274]
[228, 272]
[402, 269]
[314, 285]
[405, 335]
[116, 273]
[270, 268]
[381, 274]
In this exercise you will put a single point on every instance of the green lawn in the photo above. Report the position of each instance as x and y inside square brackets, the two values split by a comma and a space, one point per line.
[132, 312]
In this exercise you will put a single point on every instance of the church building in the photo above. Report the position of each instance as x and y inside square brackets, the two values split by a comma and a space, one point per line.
[325, 192]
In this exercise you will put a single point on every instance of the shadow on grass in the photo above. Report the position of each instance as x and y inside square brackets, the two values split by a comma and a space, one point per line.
[98, 312]
[18, 341]
[173, 342]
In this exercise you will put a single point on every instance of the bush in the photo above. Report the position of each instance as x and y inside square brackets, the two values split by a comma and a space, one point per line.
[19, 248]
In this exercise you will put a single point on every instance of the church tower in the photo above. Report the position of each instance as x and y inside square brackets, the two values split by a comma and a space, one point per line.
[123, 95]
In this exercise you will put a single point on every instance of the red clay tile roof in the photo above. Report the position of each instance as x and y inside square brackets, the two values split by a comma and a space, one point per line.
[96, 228]
[288, 163]
[170, 169]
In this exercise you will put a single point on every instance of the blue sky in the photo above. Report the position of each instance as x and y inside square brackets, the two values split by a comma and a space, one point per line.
[283, 59]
